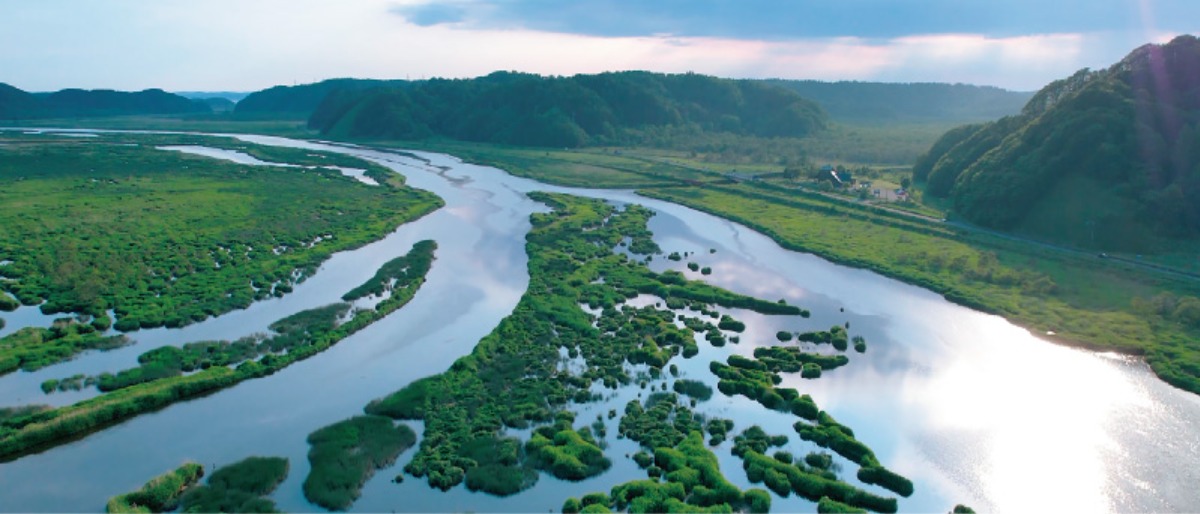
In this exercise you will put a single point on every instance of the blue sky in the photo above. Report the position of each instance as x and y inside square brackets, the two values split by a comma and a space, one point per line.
[252, 44]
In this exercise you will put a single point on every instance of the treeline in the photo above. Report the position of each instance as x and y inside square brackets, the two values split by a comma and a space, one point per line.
[532, 110]
[300, 101]
[1107, 159]
[16, 104]
[878, 102]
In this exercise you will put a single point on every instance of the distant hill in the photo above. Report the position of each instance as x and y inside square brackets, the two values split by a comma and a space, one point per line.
[232, 96]
[878, 102]
[525, 109]
[78, 103]
[300, 101]
[16, 104]
[1109, 158]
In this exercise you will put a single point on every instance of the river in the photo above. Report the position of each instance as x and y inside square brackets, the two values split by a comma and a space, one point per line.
[973, 409]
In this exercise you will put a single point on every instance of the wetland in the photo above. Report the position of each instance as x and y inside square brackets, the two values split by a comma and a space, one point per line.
[935, 396]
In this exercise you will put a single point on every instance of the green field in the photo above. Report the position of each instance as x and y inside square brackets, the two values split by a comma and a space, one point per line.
[160, 238]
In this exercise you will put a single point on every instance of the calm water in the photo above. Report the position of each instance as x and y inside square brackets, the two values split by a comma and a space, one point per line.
[973, 409]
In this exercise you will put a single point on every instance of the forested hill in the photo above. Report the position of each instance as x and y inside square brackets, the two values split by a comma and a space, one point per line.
[524, 109]
[879, 102]
[300, 101]
[1108, 159]
[16, 104]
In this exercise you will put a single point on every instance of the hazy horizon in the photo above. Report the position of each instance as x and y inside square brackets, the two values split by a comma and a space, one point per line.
[222, 45]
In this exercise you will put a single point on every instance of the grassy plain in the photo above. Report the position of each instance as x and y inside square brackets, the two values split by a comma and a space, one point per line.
[210, 123]
[166, 239]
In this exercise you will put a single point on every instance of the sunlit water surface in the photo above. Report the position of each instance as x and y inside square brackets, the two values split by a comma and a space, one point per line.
[972, 408]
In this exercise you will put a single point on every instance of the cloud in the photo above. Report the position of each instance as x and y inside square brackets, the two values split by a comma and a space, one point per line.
[131, 44]
[777, 20]
[427, 15]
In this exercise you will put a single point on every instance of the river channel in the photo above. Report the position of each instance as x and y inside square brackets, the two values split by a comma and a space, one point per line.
[972, 408]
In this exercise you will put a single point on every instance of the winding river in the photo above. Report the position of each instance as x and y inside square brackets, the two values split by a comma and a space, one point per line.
[973, 409]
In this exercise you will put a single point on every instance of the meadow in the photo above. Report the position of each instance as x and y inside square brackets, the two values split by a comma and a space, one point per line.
[118, 232]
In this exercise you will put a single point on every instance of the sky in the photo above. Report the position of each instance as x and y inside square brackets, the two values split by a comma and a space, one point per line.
[246, 45]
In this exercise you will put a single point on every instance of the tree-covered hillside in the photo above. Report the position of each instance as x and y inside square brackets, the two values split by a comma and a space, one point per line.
[531, 110]
[16, 104]
[300, 101]
[1108, 159]
[878, 102]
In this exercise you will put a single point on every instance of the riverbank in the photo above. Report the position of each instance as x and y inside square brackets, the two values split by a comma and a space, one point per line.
[1071, 299]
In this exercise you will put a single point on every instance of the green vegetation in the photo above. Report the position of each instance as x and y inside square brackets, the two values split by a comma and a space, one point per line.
[566, 453]
[299, 102]
[499, 468]
[397, 273]
[693, 480]
[693, 388]
[206, 123]
[819, 460]
[8, 414]
[302, 335]
[33, 348]
[835, 336]
[1082, 300]
[887, 103]
[238, 487]
[860, 344]
[826, 505]
[72, 383]
[810, 483]
[828, 433]
[730, 324]
[160, 494]
[1072, 299]
[346, 454]
[756, 379]
[8, 304]
[1093, 160]
[530, 110]
[512, 378]
[166, 239]
[301, 329]
[16, 104]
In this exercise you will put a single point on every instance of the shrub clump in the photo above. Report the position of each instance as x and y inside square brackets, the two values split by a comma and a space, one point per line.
[347, 453]
[239, 487]
[160, 494]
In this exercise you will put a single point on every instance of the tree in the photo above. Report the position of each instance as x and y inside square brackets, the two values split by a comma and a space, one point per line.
[905, 182]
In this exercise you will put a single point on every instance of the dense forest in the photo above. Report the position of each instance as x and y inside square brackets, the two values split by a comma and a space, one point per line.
[16, 104]
[878, 102]
[1107, 159]
[300, 101]
[532, 110]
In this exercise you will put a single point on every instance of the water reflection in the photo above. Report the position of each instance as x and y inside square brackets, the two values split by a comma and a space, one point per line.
[973, 409]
